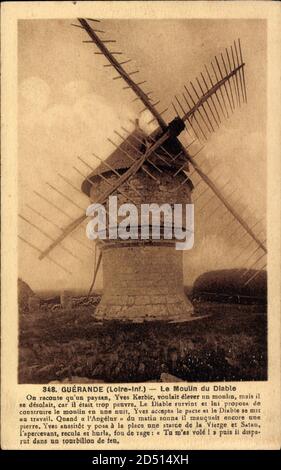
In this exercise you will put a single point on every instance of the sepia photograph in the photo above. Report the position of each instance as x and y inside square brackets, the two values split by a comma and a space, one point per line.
[142, 182]
[140, 275]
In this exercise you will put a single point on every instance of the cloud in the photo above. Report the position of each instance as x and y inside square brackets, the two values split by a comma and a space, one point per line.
[82, 112]
[54, 128]
[35, 93]
[76, 89]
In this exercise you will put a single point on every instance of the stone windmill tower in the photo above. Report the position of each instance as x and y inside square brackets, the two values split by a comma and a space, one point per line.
[143, 279]
[133, 289]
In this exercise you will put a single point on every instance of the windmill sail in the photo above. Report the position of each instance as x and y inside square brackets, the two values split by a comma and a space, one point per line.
[129, 173]
[231, 209]
[122, 72]
[214, 97]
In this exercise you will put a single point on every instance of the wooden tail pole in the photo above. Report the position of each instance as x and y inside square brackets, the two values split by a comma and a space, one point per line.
[95, 273]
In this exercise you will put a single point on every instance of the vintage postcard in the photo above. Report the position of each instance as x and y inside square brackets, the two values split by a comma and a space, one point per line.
[141, 225]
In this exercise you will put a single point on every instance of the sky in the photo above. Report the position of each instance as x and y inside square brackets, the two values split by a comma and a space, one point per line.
[69, 105]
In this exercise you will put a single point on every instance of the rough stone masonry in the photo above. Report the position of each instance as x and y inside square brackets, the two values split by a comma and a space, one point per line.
[142, 279]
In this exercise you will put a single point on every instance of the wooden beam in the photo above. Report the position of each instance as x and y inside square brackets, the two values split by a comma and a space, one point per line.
[217, 192]
[95, 274]
[102, 200]
[122, 72]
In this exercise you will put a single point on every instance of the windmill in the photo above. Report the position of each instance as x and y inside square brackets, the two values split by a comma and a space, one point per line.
[159, 165]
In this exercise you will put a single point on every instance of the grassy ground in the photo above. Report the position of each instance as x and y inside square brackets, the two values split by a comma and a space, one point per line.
[228, 345]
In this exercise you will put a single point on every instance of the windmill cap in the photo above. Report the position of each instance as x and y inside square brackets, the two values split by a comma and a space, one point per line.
[119, 159]
[133, 146]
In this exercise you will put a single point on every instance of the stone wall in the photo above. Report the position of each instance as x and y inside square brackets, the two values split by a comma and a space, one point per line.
[143, 283]
[167, 188]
